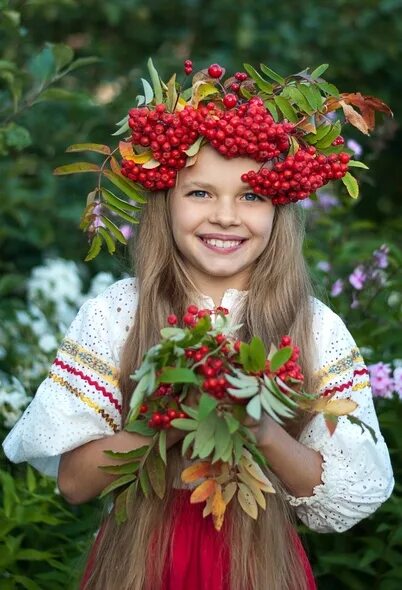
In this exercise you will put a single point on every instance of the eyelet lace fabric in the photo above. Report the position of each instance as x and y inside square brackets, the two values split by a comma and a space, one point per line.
[80, 401]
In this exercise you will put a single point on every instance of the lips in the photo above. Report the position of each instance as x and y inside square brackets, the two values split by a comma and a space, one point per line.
[224, 244]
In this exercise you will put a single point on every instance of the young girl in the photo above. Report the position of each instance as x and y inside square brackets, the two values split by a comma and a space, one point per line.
[210, 240]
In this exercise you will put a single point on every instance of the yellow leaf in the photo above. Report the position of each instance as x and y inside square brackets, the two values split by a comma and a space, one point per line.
[202, 89]
[196, 471]
[229, 491]
[203, 491]
[218, 508]
[255, 489]
[208, 507]
[247, 501]
[126, 149]
[181, 104]
[255, 470]
[334, 407]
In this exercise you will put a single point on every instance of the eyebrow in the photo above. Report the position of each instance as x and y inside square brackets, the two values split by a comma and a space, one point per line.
[200, 184]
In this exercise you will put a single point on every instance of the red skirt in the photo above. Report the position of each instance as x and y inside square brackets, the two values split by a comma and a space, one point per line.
[200, 556]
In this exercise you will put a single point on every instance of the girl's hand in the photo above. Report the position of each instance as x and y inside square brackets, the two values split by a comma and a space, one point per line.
[262, 429]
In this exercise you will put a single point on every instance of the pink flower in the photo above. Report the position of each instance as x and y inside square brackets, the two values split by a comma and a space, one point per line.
[126, 230]
[398, 381]
[355, 147]
[381, 256]
[324, 265]
[381, 381]
[337, 288]
[358, 277]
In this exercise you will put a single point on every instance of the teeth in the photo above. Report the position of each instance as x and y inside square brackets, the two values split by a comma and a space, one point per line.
[222, 243]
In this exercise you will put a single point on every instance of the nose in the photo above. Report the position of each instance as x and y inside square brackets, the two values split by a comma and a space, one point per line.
[224, 211]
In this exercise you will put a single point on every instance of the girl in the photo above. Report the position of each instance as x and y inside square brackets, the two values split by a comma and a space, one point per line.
[211, 240]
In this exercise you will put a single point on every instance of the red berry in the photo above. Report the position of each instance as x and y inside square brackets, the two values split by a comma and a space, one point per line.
[286, 341]
[230, 101]
[203, 312]
[215, 71]
[143, 408]
[172, 319]
[193, 309]
[188, 319]
[220, 338]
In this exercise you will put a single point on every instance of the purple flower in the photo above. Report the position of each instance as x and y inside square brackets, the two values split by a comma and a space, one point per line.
[381, 256]
[381, 380]
[358, 277]
[398, 381]
[306, 203]
[324, 265]
[355, 147]
[337, 288]
[327, 200]
[127, 230]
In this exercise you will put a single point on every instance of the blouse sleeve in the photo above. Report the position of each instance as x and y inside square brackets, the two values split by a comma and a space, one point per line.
[80, 399]
[357, 474]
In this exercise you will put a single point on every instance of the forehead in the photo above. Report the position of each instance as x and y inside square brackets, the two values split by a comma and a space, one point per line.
[214, 169]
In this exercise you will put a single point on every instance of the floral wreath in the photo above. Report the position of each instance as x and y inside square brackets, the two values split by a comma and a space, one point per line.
[289, 125]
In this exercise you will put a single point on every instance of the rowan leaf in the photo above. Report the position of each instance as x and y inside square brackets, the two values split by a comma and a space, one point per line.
[95, 248]
[258, 79]
[229, 491]
[254, 407]
[187, 441]
[184, 424]
[156, 473]
[162, 446]
[273, 75]
[126, 187]
[121, 204]
[194, 148]
[120, 508]
[252, 484]
[114, 230]
[249, 464]
[178, 375]
[109, 241]
[319, 71]
[351, 184]
[148, 91]
[208, 507]
[203, 491]
[89, 147]
[76, 168]
[357, 164]
[117, 483]
[218, 508]
[280, 357]
[257, 354]
[196, 471]
[156, 83]
[335, 407]
[354, 118]
[247, 501]
[207, 404]
[145, 483]
[286, 108]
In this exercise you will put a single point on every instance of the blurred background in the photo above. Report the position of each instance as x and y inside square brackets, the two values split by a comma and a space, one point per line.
[69, 71]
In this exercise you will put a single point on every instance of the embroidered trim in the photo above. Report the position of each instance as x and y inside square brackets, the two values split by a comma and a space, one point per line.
[89, 359]
[339, 367]
[343, 386]
[86, 400]
[88, 379]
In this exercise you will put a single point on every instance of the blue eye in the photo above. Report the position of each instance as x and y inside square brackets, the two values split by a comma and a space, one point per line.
[253, 198]
[198, 193]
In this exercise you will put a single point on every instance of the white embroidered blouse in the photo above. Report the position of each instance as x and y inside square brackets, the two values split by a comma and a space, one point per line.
[80, 401]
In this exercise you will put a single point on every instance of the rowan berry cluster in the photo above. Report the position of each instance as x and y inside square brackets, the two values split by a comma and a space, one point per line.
[193, 314]
[249, 130]
[291, 370]
[162, 419]
[212, 369]
[297, 176]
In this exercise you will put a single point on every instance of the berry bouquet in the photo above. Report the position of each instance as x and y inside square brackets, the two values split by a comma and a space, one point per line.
[199, 379]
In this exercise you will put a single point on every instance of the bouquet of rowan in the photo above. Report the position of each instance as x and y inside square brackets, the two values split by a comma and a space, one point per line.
[231, 382]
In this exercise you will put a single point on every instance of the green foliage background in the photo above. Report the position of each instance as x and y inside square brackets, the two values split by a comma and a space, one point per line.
[44, 108]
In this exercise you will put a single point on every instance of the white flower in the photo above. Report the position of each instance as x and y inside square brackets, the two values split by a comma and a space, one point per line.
[56, 280]
[99, 283]
[13, 399]
[47, 343]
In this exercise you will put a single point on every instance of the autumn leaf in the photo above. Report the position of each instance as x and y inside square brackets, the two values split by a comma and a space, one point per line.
[229, 491]
[202, 89]
[127, 152]
[367, 106]
[218, 508]
[208, 507]
[247, 501]
[203, 491]
[196, 471]
[255, 471]
[354, 118]
[334, 407]
[254, 487]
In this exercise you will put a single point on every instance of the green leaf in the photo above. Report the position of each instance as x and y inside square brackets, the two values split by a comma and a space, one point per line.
[123, 129]
[286, 108]
[207, 405]
[195, 147]
[184, 424]
[148, 92]
[205, 436]
[123, 215]
[33, 555]
[273, 75]
[280, 357]
[118, 203]
[272, 109]
[110, 243]
[114, 230]
[162, 446]
[258, 79]
[178, 375]
[357, 164]
[145, 483]
[156, 83]
[156, 473]
[176, 333]
[76, 168]
[95, 248]
[129, 455]
[63, 55]
[117, 483]
[171, 98]
[89, 147]
[82, 62]
[329, 137]
[232, 423]
[140, 427]
[192, 412]
[312, 95]
[257, 353]
[119, 508]
[187, 441]
[61, 95]
[298, 98]
[126, 187]
[27, 583]
[120, 469]
[16, 137]
[351, 184]
[254, 407]
[222, 439]
[31, 479]
[319, 71]
[329, 89]
[42, 65]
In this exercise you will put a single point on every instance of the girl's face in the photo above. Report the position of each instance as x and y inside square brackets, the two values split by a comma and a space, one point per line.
[219, 225]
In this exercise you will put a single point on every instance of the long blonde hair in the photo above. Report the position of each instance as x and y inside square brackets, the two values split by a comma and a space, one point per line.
[263, 552]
